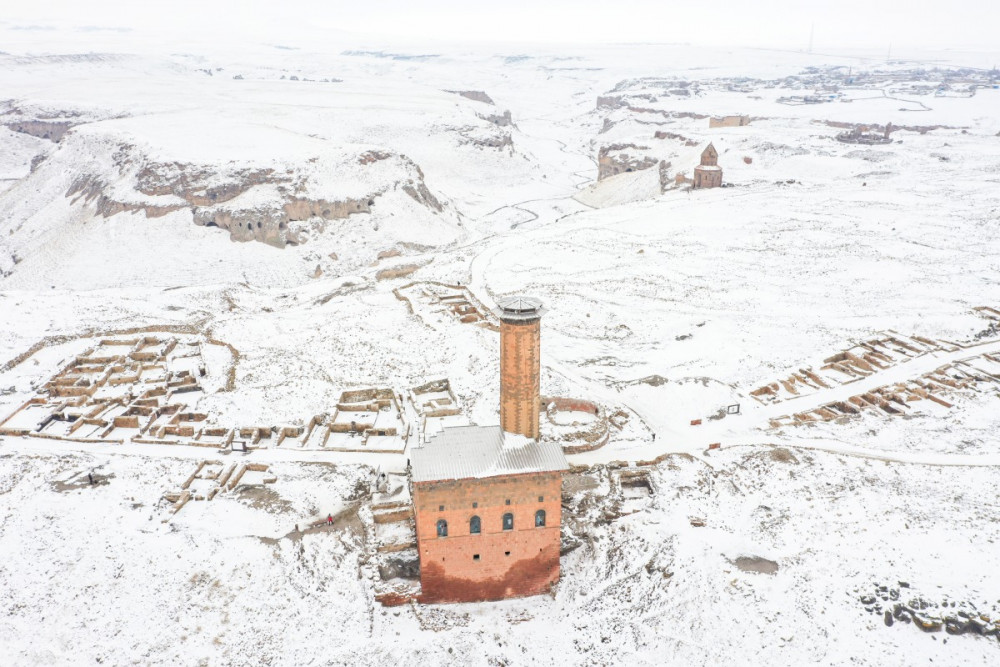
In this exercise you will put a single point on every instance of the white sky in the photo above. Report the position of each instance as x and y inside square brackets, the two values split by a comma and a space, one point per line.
[963, 24]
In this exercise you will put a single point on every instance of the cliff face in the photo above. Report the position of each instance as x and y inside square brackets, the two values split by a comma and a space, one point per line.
[51, 130]
[255, 203]
[613, 160]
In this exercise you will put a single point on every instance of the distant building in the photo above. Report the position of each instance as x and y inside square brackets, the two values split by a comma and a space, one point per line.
[861, 134]
[488, 499]
[708, 174]
[728, 121]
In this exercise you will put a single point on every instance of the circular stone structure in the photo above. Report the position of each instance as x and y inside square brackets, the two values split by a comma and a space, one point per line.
[520, 364]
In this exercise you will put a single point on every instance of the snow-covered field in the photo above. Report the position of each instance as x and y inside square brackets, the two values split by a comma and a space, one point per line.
[664, 306]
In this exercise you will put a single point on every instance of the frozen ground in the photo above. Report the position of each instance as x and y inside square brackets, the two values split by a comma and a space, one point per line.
[665, 306]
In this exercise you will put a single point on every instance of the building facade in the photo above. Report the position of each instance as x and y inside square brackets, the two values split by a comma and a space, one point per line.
[488, 538]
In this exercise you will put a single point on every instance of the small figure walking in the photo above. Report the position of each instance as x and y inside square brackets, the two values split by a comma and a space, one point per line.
[90, 476]
[654, 437]
[329, 519]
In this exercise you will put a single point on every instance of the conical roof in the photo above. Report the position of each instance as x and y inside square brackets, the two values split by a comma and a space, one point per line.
[519, 308]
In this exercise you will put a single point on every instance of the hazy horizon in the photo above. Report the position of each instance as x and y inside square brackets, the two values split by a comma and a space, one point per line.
[781, 24]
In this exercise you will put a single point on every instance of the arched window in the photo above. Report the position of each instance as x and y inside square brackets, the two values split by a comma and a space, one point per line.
[442, 528]
[475, 526]
[508, 521]
[539, 518]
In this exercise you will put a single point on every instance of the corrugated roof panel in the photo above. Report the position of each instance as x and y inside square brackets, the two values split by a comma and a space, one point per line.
[464, 452]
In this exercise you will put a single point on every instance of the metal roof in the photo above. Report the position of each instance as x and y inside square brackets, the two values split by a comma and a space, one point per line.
[474, 452]
[519, 308]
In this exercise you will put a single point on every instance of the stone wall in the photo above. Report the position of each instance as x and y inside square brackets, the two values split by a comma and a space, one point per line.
[728, 121]
[707, 178]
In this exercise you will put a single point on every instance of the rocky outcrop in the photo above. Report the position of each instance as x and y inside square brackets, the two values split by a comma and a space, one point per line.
[613, 160]
[51, 130]
[37, 160]
[659, 134]
[43, 123]
[474, 95]
[251, 203]
[90, 189]
[499, 142]
[401, 271]
[193, 184]
[488, 137]
[500, 120]
[665, 180]
[610, 102]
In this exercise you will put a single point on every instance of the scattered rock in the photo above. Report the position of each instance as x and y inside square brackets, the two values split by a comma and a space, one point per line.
[927, 624]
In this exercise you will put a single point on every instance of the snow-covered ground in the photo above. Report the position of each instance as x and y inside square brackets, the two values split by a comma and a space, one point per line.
[664, 307]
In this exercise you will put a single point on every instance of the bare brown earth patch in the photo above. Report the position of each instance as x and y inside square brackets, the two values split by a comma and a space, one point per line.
[756, 564]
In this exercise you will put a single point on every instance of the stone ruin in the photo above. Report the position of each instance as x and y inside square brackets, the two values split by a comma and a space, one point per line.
[728, 121]
[145, 390]
[861, 134]
[613, 160]
[578, 425]
[211, 478]
[973, 374]
[454, 301]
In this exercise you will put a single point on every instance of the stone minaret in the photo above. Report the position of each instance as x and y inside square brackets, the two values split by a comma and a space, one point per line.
[520, 364]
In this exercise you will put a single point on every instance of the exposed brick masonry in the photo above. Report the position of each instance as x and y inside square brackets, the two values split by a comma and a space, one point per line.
[520, 366]
[512, 563]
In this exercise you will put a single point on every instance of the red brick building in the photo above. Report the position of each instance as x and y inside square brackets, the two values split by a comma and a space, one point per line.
[488, 514]
[488, 499]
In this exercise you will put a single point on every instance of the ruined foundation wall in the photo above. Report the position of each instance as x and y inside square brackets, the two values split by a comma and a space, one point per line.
[728, 121]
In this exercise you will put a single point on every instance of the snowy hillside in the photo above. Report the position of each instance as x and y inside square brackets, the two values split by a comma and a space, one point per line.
[209, 253]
